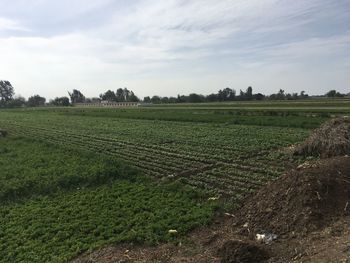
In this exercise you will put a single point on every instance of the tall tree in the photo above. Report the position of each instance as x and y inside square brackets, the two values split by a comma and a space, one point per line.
[280, 95]
[212, 97]
[62, 101]
[333, 93]
[17, 101]
[194, 98]
[120, 96]
[155, 99]
[108, 95]
[226, 94]
[76, 96]
[147, 99]
[35, 101]
[249, 93]
[126, 94]
[133, 97]
[6, 91]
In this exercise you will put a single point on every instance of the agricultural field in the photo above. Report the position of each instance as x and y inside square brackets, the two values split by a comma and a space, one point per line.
[85, 178]
[195, 153]
[56, 203]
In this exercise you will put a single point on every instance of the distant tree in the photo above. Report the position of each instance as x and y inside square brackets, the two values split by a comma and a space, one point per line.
[164, 100]
[147, 99]
[181, 98]
[249, 93]
[258, 96]
[303, 95]
[212, 97]
[35, 101]
[76, 96]
[120, 95]
[241, 95]
[226, 94]
[280, 95]
[108, 95]
[92, 100]
[132, 97]
[61, 101]
[172, 100]
[126, 94]
[195, 98]
[273, 96]
[221, 95]
[333, 93]
[6, 91]
[95, 100]
[16, 102]
[155, 100]
[288, 96]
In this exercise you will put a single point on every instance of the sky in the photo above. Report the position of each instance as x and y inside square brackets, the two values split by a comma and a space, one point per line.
[170, 47]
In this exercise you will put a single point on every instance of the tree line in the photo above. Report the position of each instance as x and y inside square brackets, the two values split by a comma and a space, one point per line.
[226, 94]
[229, 94]
[7, 98]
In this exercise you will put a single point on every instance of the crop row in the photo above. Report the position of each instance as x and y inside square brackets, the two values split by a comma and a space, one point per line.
[233, 173]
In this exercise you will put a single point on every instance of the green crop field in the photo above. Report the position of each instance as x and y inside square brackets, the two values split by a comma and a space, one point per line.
[76, 179]
[57, 203]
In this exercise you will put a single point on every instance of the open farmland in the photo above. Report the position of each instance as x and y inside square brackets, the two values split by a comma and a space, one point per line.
[220, 158]
[228, 152]
[85, 178]
[57, 203]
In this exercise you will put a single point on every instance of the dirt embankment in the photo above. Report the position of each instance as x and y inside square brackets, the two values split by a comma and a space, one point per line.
[301, 201]
[331, 139]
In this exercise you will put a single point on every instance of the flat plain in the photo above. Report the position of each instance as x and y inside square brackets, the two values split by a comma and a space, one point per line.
[76, 179]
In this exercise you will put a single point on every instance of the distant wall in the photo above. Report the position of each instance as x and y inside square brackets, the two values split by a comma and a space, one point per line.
[108, 104]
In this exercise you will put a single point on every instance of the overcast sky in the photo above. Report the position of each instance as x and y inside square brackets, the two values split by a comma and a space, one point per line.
[167, 47]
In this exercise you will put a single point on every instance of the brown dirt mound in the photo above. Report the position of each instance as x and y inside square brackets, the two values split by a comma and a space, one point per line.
[331, 139]
[301, 201]
[236, 251]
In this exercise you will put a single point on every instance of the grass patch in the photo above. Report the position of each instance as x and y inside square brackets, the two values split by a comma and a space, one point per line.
[57, 228]
[50, 223]
[31, 168]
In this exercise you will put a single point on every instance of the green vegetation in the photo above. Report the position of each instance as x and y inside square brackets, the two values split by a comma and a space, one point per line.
[161, 149]
[60, 203]
[30, 169]
[75, 179]
[278, 118]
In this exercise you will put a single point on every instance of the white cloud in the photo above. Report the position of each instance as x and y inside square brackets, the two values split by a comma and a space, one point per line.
[9, 24]
[168, 47]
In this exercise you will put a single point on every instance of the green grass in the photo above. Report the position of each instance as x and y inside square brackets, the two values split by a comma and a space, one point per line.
[320, 103]
[228, 116]
[302, 114]
[69, 202]
[161, 148]
[261, 117]
[67, 186]
[29, 169]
